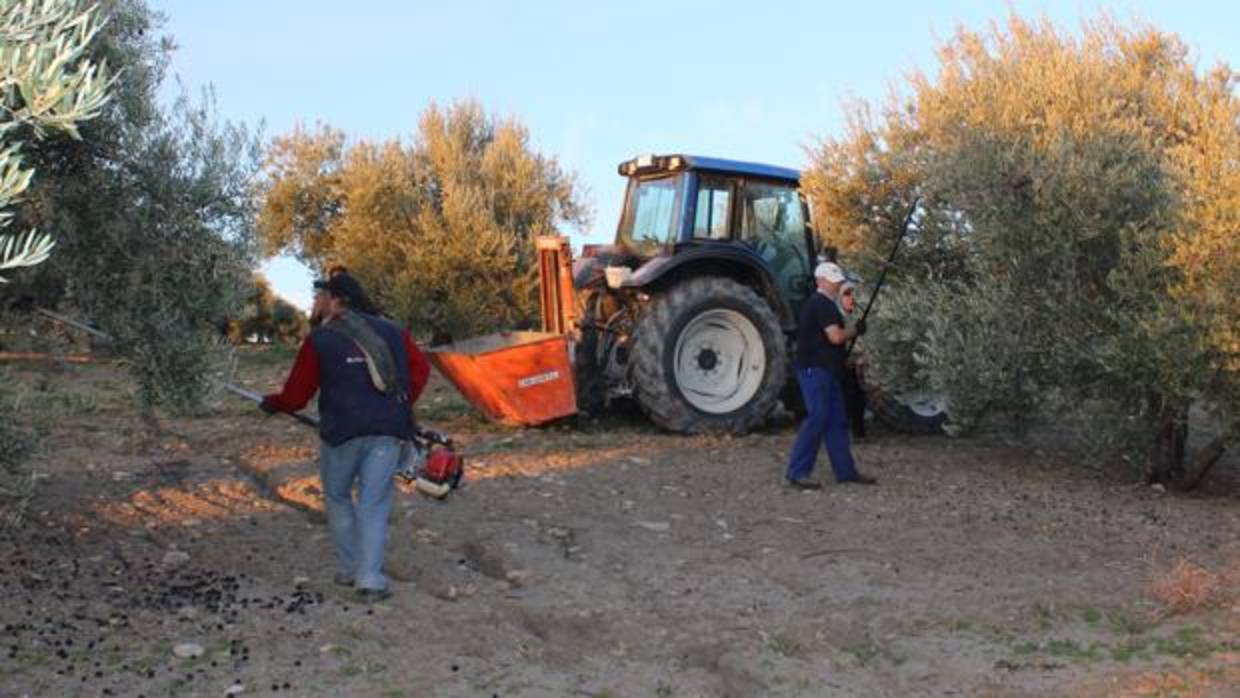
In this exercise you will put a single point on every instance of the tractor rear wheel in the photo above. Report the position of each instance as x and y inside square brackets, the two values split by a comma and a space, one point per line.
[709, 357]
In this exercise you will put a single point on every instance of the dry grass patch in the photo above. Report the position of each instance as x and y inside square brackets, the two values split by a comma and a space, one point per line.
[1189, 586]
[1188, 683]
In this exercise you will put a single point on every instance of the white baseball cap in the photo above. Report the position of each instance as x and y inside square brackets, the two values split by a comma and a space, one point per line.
[830, 271]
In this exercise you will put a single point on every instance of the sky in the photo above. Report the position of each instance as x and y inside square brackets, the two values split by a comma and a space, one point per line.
[597, 82]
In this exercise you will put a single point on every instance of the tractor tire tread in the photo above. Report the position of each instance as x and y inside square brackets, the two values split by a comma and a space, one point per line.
[655, 389]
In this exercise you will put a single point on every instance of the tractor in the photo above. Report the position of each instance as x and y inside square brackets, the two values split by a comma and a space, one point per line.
[691, 312]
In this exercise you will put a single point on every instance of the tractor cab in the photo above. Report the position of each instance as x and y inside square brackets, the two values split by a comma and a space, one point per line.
[753, 213]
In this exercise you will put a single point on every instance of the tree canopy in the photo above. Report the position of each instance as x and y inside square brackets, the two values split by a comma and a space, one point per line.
[152, 211]
[440, 230]
[1076, 249]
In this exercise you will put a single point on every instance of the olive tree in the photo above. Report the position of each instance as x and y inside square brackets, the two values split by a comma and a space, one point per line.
[46, 83]
[1075, 253]
[440, 229]
[152, 212]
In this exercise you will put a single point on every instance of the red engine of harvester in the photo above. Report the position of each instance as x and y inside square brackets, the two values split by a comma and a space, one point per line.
[442, 472]
[432, 463]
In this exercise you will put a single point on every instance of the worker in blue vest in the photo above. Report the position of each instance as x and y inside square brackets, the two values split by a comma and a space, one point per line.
[368, 373]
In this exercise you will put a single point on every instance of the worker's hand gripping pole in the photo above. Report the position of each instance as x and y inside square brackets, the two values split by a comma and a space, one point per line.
[258, 399]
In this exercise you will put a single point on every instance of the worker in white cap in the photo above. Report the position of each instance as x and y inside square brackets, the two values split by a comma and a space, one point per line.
[821, 338]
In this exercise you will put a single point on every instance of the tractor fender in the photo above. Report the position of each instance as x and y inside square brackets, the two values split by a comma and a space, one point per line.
[699, 259]
[588, 268]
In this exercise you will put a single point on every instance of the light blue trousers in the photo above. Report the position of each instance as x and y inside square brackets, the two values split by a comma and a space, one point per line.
[359, 530]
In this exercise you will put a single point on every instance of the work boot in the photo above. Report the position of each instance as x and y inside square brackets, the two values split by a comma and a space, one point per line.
[373, 595]
[342, 579]
[861, 479]
[804, 484]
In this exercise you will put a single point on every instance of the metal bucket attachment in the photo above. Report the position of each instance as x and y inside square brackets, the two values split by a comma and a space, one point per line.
[519, 378]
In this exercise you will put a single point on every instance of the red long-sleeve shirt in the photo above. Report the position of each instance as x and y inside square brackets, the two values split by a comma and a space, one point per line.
[303, 379]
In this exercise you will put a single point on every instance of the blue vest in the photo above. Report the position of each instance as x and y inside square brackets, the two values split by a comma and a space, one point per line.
[349, 405]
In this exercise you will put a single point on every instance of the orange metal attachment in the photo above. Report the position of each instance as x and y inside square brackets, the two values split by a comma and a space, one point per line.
[520, 378]
[555, 270]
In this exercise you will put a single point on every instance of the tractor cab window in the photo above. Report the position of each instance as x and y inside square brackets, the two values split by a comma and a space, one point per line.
[773, 222]
[652, 212]
[714, 209]
[772, 212]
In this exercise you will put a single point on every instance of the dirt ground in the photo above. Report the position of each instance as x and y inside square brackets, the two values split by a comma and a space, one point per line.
[189, 557]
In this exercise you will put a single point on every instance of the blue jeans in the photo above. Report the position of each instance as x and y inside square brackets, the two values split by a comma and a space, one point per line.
[359, 530]
[826, 423]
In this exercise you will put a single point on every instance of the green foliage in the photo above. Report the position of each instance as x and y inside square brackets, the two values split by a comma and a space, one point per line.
[151, 208]
[1075, 191]
[153, 216]
[267, 318]
[440, 231]
[46, 82]
[24, 250]
[168, 257]
[1183, 643]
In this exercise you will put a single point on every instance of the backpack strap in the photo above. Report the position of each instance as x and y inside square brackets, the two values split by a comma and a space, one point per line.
[379, 361]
